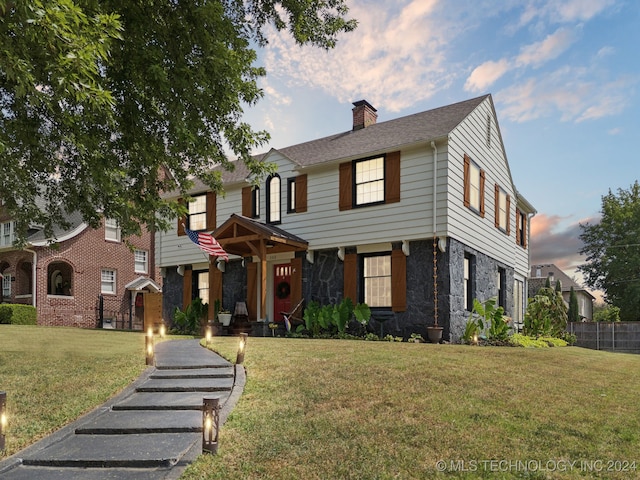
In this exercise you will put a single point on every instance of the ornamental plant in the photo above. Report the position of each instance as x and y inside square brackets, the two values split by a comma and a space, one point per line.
[489, 317]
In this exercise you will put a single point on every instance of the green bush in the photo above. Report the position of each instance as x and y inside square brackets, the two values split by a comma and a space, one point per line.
[332, 319]
[520, 340]
[17, 314]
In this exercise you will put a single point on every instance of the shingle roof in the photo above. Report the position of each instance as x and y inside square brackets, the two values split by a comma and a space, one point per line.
[408, 130]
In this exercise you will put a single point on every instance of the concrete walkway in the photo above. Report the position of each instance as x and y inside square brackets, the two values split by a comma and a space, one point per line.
[152, 430]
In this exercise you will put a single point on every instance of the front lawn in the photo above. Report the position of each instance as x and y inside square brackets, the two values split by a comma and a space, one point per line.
[318, 409]
[53, 375]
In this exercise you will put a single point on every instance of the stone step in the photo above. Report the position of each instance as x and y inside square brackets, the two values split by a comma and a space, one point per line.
[145, 421]
[107, 451]
[220, 372]
[168, 401]
[187, 385]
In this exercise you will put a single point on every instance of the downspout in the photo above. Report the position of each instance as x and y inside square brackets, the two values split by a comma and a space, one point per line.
[435, 183]
[34, 285]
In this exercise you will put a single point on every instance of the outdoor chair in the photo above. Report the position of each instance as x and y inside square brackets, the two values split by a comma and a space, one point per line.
[293, 318]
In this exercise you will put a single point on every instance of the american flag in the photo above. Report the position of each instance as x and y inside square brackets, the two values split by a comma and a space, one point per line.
[207, 243]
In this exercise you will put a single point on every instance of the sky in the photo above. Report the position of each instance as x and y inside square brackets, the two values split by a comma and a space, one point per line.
[564, 77]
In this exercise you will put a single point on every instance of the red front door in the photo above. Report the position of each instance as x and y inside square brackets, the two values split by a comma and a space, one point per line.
[281, 290]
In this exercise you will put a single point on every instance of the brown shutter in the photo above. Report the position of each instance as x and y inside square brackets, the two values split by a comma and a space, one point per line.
[181, 221]
[517, 226]
[345, 201]
[467, 181]
[215, 287]
[252, 290]
[211, 211]
[392, 177]
[526, 230]
[301, 193]
[350, 276]
[482, 180]
[246, 202]
[497, 206]
[398, 281]
[508, 214]
[296, 280]
[186, 287]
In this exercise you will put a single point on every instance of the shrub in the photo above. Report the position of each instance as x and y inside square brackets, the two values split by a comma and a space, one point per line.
[490, 317]
[519, 340]
[546, 314]
[17, 314]
[188, 322]
[332, 319]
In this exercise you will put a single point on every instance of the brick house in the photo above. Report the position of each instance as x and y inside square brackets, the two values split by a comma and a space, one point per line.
[69, 278]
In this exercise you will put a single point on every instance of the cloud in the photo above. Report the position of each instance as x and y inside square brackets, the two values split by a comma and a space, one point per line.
[396, 57]
[563, 11]
[485, 75]
[536, 54]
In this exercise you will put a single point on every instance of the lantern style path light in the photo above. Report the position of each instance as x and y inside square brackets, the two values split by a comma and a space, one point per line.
[3, 419]
[163, 330]
[208, 334]
[148, 347]
[241, 348]
[210, 425]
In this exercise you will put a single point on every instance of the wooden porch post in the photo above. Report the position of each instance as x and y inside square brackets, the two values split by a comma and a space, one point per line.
[263, 279]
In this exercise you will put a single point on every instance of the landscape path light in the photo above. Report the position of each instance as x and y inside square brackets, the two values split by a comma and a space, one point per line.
[241, 348]
[3, 419]
[163, 330]
[207, 334]
[210, 425]
[148, 347]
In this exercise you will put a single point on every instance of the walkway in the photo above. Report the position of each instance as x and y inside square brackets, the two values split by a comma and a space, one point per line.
[150, 431]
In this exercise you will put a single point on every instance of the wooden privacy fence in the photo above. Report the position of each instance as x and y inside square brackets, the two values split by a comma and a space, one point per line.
[611, 336]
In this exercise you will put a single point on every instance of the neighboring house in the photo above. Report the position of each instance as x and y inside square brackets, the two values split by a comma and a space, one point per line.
[538, 279]
[68, 278]
[363, 214]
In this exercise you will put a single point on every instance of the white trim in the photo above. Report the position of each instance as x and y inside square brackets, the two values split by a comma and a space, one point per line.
[70, 234]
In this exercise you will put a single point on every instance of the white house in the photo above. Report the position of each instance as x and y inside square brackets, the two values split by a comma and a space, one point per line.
[376, 214]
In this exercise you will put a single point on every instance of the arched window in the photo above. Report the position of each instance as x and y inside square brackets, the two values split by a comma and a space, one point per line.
[273, 199]
[24, 278]
[60, 279]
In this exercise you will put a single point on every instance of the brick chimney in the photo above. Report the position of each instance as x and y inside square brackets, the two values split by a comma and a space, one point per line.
[363, 115]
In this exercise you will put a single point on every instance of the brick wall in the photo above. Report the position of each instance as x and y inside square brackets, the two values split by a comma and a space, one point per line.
[82, 258]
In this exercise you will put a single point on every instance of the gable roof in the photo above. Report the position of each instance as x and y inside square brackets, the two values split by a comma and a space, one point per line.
[382, 136]
[538, 281]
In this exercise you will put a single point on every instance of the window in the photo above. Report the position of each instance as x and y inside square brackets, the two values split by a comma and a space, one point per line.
[469, 273]
[501, 282]
[7, 234]
[141, 261]
[377, 280]
[255, 202]
[108, 278]
[503, 205]
[521, 228]
[273, 199]
[474, 178]
[369, 181]
[291, 195]
[111, 230]
[6, 286]
[198, 213]
[201, 286]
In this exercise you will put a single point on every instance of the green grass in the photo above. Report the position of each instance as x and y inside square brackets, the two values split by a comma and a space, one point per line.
[54, 375]
[317, 409]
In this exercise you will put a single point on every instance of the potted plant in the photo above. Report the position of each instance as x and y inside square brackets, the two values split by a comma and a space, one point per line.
[224, 317]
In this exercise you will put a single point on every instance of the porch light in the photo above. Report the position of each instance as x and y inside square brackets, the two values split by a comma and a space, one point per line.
[3, 419]
[208, 334]
[148, 347]
[241, 347]
[210, 425]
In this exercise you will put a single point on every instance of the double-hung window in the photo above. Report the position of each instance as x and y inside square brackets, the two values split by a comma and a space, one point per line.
[503, 205]
[198, 213]
[111, 230]
[474, 178]
[377, 280]
[141, 260]
[6, 234]
[108, 281]
[469, 281]
[369, 181]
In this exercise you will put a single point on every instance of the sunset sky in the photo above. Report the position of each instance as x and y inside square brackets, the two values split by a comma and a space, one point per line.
[564, 77]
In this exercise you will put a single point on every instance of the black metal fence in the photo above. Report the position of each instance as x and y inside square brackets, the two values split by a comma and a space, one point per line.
[610, 336]
[117, 320]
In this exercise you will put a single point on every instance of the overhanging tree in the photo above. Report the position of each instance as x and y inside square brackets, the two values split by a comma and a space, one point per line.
[612, 249]
[104, 105]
